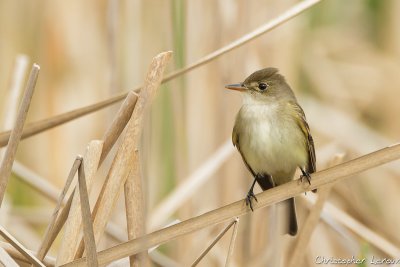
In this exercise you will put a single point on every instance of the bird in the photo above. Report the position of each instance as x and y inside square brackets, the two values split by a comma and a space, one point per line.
[272, 135]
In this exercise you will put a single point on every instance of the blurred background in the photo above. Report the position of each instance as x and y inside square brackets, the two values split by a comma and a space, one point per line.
[340, 57]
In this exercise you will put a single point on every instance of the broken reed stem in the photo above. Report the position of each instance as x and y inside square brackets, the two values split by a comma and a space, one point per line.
[15, 136]
[47, 242]
[73, 225]
[110, 137]
[88, 235]
[42, 186]
[133, 187]
[118, 124]
[311, 221]
[232, 243]
[49, 123]
[28, 254]
[122, 163]
[266, 198]
[135, 208]
[219, 236]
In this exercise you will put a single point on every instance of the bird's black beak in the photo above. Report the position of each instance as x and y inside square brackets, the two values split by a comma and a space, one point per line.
[237, 87]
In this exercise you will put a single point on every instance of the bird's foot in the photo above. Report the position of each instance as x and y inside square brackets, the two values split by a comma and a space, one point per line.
[249, 197]
[305, 175]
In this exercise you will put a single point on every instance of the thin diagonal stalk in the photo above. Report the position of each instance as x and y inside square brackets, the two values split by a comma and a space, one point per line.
[232, 243]
[219, 236]
[46, 243]
[15, 136]
[46, 124]
[10, 104]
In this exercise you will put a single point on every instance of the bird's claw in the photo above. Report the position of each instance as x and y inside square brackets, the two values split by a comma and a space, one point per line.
[249, 197]
[307, 176]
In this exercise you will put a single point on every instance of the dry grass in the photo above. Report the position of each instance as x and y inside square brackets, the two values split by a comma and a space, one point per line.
[168, 154]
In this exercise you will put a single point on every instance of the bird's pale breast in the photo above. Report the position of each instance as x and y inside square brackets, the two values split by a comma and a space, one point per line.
[270, 143]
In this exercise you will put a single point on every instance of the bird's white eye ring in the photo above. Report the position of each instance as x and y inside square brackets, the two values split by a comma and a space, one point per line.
[262, 86]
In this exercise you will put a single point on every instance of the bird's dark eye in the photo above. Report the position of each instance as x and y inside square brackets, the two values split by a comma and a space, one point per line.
[262, 86]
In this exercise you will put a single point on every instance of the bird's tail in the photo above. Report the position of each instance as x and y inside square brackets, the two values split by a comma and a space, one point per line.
[292, 217]
[266, 183]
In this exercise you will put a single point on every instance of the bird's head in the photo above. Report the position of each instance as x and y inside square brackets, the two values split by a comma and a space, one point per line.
[264, 85]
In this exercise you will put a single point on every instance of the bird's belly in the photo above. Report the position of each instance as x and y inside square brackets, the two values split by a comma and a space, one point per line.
[274, 148]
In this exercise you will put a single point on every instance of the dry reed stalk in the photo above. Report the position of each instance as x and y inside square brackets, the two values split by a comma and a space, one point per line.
[219, 236]
[303, 238]
[10, 104]
[43, 125]
[118, 124]
[59, 223]
[47, 240]
[135, 206]
[41, 184]
[185, 190]
[46, 124]
[15, 136]
[88, 235]
[229, 257]
[28, 254]
[15, 254]
[360, 229]
[266, 198]
[121, 165]
[109, 139]
[133, 189]
[6, 260]
[73, 225]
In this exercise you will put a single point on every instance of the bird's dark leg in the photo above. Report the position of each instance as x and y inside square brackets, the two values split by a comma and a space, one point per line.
[251, 195]
[305, 175]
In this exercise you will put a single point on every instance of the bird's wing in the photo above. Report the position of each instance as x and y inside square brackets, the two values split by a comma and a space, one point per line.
[235, 141]
[303, 125]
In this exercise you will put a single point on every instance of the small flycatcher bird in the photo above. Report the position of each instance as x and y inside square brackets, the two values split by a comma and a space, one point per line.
[272, 135]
